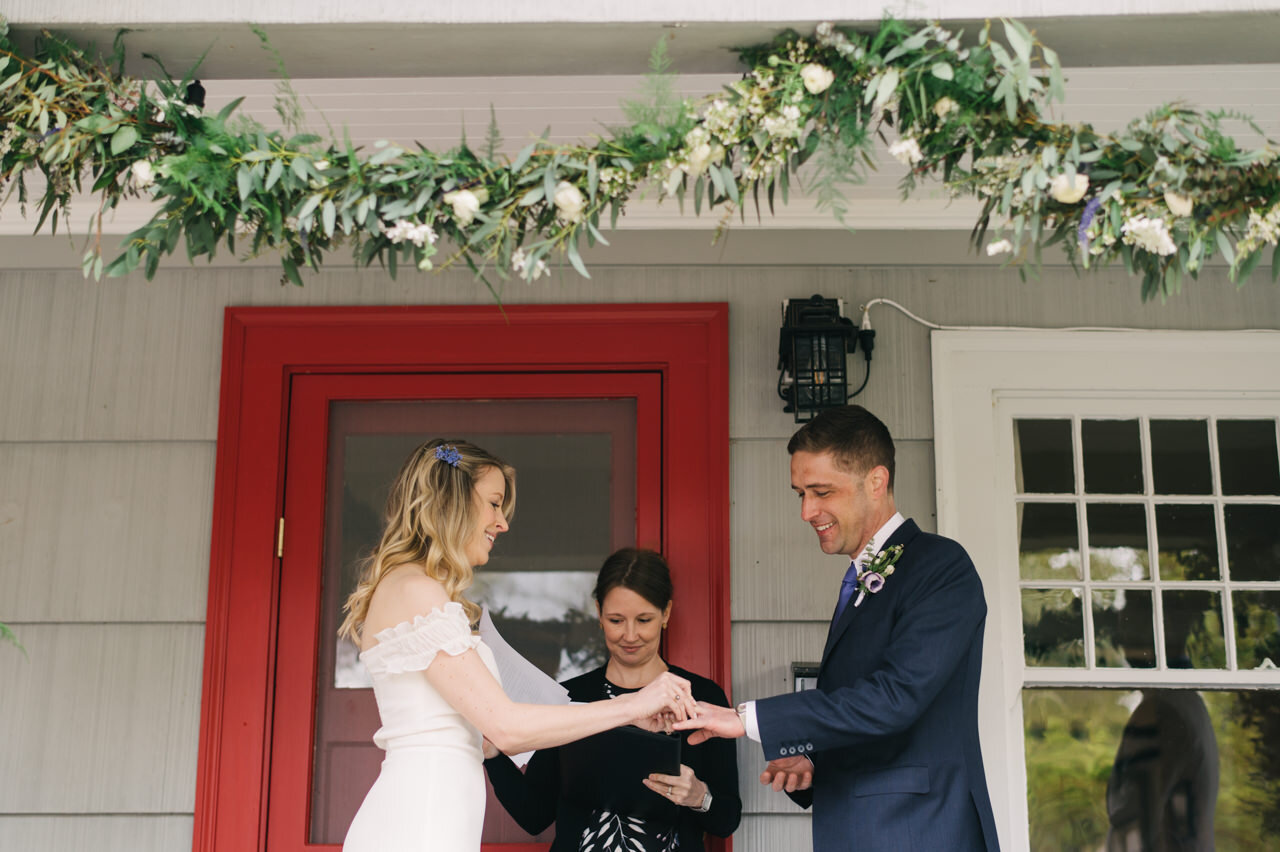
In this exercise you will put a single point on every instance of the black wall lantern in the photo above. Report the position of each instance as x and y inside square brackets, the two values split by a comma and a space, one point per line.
[815, 337]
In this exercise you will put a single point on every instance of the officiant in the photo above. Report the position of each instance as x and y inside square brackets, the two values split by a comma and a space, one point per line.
[666, 810]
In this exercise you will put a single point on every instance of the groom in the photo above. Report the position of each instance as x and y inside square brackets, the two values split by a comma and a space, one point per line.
[886, 748]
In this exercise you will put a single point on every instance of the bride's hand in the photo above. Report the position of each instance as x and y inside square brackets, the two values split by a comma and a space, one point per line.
[667, 692]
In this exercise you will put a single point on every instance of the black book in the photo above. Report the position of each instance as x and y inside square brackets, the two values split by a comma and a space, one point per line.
[605, 771]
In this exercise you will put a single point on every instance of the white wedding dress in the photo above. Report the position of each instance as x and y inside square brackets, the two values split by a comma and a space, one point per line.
[430, 794]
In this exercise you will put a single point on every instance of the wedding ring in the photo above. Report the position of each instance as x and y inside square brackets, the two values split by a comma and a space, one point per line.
[670, 790]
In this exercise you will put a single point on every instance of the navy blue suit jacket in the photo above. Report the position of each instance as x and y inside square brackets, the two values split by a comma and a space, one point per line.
[892, 728]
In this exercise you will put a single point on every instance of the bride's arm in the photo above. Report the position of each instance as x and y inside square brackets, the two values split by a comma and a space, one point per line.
[469, 687]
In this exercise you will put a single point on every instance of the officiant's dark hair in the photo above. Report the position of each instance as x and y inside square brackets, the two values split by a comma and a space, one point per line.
[644, 572]
[855, 436]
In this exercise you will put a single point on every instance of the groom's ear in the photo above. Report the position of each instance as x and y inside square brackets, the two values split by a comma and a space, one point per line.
[877, 481]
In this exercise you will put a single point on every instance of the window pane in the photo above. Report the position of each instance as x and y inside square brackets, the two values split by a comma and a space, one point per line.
[1156, 769]
[1187, 543]
[1048, 542]
[1123, 628]
[1112, 456]
[1257, 629]
[1052, 627]
[1180, 457]
[1117, 541]
[1193, 637]
[1247, 453]
[1044, 457]
[1253, 541]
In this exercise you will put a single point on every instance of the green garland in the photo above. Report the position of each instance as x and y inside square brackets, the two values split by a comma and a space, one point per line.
[1163, 196]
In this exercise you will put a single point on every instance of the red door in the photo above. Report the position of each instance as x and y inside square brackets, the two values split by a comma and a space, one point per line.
[319, 404]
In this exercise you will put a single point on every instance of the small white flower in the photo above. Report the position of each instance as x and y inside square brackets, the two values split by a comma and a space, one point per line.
[569, 202]
[143, 174]
[320, 165]
[999, 247]
[816, 78]
[405, 231]
[906, 151]
[699, 158]
[520, 265]
[1067, 191]
[944, 106]
[1149, 234]
[465, 205]
[1179, 205]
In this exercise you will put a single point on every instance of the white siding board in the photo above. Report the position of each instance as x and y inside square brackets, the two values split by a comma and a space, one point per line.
[791, 832]
[101, 719]
[762, 658]
[105, 532]
[167, 833]
[778, 572]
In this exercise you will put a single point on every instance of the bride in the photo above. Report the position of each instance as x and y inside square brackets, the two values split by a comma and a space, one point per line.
[433, 679]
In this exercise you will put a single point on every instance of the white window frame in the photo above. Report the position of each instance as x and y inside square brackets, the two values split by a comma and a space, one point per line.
[981, 381]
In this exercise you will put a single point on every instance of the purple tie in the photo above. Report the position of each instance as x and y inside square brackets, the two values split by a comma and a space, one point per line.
[847, 587]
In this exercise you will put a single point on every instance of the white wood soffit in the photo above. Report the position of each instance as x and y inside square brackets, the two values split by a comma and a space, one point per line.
[331, 38]
[435, 112]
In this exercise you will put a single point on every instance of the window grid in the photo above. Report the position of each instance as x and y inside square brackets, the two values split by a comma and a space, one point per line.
[1224, 586]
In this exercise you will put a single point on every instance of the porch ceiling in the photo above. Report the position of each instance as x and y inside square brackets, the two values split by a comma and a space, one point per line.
[378, 45]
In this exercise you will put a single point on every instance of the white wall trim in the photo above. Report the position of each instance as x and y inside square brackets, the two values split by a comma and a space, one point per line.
[974, 375]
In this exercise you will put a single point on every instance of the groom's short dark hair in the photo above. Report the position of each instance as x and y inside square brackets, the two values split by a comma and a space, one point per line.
[855, 436]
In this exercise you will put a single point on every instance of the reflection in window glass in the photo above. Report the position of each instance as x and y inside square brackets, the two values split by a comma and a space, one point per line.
[1052, 627]
[1187, 542]
[1124, 628]
[1248, 458]
[1152, 769]
[1193, 635]
[1048, 542]
[1180, 457]
[1117, 541]
[1253, 541]
[1044, 457]
[1112, 456]
[1257, 616]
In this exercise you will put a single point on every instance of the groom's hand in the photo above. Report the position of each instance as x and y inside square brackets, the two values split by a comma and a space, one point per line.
[788, 773]
[712, 721]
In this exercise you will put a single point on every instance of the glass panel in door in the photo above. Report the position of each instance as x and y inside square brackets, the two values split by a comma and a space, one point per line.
[576, 463]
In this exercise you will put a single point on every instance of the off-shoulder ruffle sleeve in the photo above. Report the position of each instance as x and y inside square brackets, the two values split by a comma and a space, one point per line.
[411, 645]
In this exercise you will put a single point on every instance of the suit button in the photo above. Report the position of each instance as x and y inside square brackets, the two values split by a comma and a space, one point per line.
[791, 750]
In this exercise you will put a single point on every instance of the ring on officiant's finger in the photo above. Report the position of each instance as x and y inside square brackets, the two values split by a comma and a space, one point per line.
[670, 790]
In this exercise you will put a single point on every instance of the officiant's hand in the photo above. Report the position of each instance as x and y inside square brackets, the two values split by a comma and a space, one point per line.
[788, 773]
[684, 789]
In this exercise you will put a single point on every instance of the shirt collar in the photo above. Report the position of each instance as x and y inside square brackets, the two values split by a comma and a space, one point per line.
[883, 534]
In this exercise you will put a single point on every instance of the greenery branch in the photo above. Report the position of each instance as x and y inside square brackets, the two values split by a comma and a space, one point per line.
[1163, 196]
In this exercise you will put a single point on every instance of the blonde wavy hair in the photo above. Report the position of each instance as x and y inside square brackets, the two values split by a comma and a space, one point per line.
[431, 513]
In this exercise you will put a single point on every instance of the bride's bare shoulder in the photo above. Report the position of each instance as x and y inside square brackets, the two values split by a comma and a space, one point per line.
[405, 591]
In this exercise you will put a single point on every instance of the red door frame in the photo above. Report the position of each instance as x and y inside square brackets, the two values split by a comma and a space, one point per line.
[264, 347]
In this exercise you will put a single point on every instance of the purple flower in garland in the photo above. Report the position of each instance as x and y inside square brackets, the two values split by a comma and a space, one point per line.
[1086, 219]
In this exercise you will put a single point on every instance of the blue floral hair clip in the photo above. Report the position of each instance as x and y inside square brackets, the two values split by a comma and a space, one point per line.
[449, 453]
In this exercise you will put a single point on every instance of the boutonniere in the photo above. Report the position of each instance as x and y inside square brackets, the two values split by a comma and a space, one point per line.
[878, 567]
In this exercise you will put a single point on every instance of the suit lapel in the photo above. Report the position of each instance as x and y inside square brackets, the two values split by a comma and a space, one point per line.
[903, 536]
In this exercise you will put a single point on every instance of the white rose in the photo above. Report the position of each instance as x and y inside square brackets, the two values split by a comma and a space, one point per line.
[465, 205]
[944, 106]
[1179, 205]
[569, 201]
[1066, 191]
[699, 158]
[999, 247]
[816, 78]
[906, 151]
[143, 175]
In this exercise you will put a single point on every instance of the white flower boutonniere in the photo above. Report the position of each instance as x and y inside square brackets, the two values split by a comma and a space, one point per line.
[879, 566]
